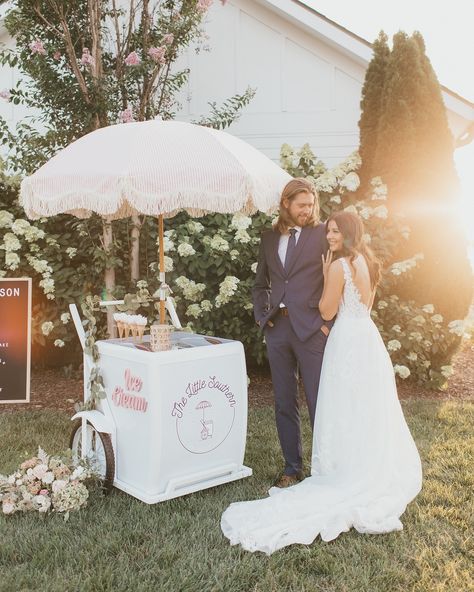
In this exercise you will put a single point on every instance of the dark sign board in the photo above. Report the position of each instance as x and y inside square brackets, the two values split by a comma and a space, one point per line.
[15, 340]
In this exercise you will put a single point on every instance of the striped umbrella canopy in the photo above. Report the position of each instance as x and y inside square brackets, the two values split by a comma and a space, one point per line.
[157, 168]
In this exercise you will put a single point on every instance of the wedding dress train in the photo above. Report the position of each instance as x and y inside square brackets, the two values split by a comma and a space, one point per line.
[365, 465]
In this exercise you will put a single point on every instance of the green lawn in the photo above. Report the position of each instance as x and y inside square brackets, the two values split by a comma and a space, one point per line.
[118, 543]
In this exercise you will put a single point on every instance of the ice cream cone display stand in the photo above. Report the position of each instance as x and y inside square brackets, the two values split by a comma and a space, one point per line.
[176, 419]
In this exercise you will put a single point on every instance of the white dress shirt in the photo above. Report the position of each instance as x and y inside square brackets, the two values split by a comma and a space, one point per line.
[283, 246]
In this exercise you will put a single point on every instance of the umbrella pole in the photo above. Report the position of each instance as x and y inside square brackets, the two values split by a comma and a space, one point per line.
[162, 271]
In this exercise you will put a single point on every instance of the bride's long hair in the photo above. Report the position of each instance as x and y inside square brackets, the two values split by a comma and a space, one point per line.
[352, 229]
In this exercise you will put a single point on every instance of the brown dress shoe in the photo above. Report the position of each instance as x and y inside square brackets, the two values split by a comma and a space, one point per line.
[289, 480]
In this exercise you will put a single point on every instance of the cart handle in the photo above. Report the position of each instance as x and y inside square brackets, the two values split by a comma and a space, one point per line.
[78, 324]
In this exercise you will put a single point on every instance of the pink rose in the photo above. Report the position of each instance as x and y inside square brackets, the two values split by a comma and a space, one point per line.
[157, 54]
[133, 59]
[37, 46]
[168, 38]
[86, 59]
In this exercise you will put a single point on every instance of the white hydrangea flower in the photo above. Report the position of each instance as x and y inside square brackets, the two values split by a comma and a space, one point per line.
[234, 254]
[415, 336]
[206, 305]
[242, 236]
[365, 213]
[248, 306]
[71, 252]
[194, 310]
[240, 221]
[429, 308]
[412, 356]
[11, 242]
[47, 327]
[350, 182]
[33, 234]
[427, 343]
[381, 212]
[253, 267]
[39, 265]
[47, 284]
[168, 244]
[326, 182]
[194, 227]
[227, 289]
[402, 371]
[447, 371]
[6, 219]
[400, 267]
[396, 329]
[191, 290]
[382, 304]
[437, 318]
[419, 320]
[457, 327]
[186, 250]
[218, 243]
[20, 226]
[394, 345]
[426, 364]
[65, 318]
[169, 266]
[12, 261]
[335, 199]
[351, 209]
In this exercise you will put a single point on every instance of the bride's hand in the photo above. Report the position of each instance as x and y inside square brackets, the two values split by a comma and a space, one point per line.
[327, 260]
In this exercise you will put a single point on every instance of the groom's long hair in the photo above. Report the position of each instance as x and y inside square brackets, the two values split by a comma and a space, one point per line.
[290, 191]
[352, 229]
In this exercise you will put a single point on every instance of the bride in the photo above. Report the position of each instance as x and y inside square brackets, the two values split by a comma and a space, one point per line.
[365, 465]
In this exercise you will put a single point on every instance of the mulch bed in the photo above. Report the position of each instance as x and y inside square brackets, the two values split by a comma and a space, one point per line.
[51, 389]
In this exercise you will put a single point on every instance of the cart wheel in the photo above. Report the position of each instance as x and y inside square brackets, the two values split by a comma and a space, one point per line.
[101, 452]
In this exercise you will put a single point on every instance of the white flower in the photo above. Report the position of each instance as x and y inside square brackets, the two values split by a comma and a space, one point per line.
[402, 371]
[142, 284]
[351, 209]
[419, 320]
[40, 471]
[412, 356]
[429, 308]
[396, 329]
[59, 343]
[326, 182]
[168, 244]
[6, 219]
[335, 199]
[382, 304]
[447, 371]
[206, 305]
[186, 250]
[233, 254]
[194, 310]
[11, 242]
[457, 327]
[191, 290]
[47, 327]
[71, 252]
[367, 238]
[39, 265]
[194, 227]
[32, 234]
[248, 306]
[168, 264]
[350, 182]
[48, 285]
[240, 221]
[242, 236]
[437, 318]
[394, 345]
[426, 364]
[253, 267]
[381, 212]
[218, 243]
[48, 477]
[12, 261]
[8, 507]
[65, 318]
[227, 289]
[415, 336]
[20, 226]
[366, 212]
[58, 485]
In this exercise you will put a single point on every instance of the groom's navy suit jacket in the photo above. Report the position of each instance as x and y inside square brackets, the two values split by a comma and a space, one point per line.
[299, 287]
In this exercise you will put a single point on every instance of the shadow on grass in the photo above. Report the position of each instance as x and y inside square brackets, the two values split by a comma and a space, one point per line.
[118, 543]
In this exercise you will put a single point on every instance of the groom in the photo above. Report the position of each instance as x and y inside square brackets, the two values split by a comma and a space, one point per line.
[286, 293]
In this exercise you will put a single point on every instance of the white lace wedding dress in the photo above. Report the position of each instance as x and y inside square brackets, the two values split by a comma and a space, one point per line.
[365, 465]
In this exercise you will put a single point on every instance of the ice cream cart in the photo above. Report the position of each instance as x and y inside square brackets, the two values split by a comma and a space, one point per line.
[173, 422]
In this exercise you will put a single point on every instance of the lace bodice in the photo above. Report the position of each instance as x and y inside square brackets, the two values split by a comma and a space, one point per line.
[351, 303]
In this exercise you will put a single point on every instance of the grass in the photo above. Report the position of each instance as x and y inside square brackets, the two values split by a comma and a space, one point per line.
[118, 543]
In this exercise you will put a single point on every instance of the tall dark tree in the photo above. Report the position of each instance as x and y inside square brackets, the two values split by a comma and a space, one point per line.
[371, 107]
[414, 156]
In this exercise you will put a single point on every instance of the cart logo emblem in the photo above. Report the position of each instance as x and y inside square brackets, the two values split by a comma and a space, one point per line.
[204, 415]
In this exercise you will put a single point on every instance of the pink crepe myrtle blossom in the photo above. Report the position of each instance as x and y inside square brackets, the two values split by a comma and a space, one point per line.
[86, 59]
[37, 46]
[5, 94]
[203, 5]
[168, 38]
[133, 59]
[157, 54]
[126, 116]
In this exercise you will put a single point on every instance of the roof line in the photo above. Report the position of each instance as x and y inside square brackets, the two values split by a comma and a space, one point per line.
[369, 44]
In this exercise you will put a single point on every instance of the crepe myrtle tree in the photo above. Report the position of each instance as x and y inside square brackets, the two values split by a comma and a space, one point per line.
[86, 64]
